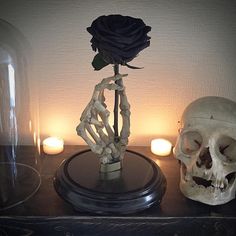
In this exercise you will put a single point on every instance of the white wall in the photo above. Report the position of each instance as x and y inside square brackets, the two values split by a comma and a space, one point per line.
[192, 54]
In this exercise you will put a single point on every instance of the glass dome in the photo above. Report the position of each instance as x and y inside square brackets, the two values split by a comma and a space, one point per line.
[19, 136]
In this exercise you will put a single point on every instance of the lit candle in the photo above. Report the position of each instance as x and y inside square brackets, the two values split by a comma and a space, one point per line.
[161, 147]
[53, 145]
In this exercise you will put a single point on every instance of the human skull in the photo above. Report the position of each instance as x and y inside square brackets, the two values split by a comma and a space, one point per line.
[206, 149]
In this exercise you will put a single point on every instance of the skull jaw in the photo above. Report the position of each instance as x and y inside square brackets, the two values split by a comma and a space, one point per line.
[208, 195]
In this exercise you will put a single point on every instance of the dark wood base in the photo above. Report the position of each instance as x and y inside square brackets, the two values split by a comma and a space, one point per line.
[139, 184]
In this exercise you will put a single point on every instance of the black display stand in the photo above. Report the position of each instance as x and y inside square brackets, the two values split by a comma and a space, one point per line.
[138, 185]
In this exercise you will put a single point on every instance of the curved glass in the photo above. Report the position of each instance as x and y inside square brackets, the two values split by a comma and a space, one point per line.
[19, 176]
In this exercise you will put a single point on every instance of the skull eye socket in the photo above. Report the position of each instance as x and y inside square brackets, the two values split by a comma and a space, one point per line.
[227, 147]
[191, 142]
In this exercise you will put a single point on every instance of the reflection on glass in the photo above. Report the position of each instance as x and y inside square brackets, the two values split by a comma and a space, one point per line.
[19, 178]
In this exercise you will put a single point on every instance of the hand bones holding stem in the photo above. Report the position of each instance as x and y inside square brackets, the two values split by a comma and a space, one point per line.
[100, 142]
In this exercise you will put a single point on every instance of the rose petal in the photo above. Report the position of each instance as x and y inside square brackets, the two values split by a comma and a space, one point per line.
[119, 38]
[125, 51]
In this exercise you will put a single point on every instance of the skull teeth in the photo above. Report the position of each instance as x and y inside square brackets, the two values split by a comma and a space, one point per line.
[206, 183]
[222, 184]
[210, 185]
[206, 180]
[215, 183]
[210, 176]
[188, 177]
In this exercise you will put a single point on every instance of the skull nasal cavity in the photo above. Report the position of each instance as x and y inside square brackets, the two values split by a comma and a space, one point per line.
[205, 159]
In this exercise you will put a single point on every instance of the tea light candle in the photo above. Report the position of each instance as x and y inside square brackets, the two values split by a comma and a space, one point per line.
[53, 145]
[161, 147]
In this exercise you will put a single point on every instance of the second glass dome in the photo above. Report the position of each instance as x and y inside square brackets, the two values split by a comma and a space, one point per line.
[19, 132]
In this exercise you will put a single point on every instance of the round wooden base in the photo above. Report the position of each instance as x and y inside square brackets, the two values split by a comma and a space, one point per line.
[138, 185]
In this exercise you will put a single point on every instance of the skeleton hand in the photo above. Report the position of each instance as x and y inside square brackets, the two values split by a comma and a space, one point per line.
[94, 127]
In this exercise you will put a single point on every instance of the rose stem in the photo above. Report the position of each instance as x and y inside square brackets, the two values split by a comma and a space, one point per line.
[116, 106]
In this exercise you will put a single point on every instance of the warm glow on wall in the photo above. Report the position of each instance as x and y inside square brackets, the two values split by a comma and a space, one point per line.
[146, 124]
[59, 126]
[179, 66]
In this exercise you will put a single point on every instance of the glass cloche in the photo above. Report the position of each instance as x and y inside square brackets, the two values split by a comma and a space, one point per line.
[19, 135]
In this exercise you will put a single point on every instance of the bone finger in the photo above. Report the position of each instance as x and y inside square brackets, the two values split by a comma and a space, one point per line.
[119, 76]
[108, 128]
[102, 98]
[125, 114]
[105, 84]
[104, 114]
[100, 108]
[96, 94]
[96, 122]
[114, 78]
[114, 87]
[93, 134]
[103, 136]
[106, 81]
[105, 119]
[86, 112]
[115, 152]
[81, 132]
[100, 88]
[111, 78]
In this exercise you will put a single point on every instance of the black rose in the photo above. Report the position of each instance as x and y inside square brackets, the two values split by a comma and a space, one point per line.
[118, 38]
